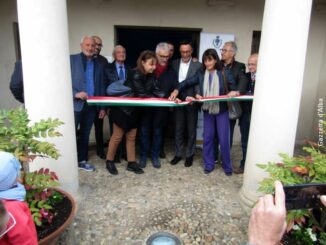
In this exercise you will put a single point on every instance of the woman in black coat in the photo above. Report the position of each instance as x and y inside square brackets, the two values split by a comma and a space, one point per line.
[125, 119]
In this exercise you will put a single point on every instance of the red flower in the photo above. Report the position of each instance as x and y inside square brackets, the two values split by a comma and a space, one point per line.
[300, 170]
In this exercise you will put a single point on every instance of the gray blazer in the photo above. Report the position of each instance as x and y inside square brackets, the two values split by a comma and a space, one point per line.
[193, 68]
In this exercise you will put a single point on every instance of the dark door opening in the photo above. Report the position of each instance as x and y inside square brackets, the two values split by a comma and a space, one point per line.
[138, 38]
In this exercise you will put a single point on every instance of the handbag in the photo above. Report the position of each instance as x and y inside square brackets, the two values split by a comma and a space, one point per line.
[118, 88]
[235, 110]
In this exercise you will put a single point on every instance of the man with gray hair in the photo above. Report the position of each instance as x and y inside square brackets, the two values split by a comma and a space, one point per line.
[157, 119]
[118, 70]
[87, 76]
[238, 71]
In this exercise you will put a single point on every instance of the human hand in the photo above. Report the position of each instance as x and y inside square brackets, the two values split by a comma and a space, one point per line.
[233, 94]
[174, 94]
[102, 114]
[267, 221]
[178, 100]
[81, 95]
[323, 199]
[198, 97]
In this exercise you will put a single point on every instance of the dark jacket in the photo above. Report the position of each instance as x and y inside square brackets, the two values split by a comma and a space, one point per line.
[247, 105]
[16, 82]
[238, 71]
[198, 79]
[193, 68]
[167, 82]
[78, 66]
[142, 86]
[112, 75]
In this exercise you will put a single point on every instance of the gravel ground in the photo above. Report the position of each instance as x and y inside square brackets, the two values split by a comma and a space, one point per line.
[128, 208]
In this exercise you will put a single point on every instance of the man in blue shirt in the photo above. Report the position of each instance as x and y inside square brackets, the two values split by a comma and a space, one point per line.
[87, 80]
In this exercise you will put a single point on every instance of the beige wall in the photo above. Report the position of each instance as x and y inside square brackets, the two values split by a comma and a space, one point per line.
[99, 17]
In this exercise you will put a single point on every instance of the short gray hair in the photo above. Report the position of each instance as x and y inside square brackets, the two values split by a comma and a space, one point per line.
[116, 47]
[162, 46]
[86, 37]
[233, 46]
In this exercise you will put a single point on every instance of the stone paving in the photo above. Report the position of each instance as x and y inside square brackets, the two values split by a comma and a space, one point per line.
[128, 208]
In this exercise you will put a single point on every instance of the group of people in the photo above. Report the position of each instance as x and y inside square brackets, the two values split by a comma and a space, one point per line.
[157, 75]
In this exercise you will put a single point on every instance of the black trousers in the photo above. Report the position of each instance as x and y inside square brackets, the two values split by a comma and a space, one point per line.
[186, 125]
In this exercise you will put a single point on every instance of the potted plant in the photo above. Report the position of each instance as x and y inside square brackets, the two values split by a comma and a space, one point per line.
[52, 209]
[304, 226]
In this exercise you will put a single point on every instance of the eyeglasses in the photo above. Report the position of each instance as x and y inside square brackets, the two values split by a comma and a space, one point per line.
[163, 56]
[225, 50]
[99, 44]
[251, 64]
[10, 227]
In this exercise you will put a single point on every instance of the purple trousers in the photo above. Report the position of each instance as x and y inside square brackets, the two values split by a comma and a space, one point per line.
[217, 125]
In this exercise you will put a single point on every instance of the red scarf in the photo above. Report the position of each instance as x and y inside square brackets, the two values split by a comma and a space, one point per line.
[160, 69]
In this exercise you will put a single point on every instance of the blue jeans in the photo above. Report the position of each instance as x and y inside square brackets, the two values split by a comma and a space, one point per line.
[84, 120]
[146, 128]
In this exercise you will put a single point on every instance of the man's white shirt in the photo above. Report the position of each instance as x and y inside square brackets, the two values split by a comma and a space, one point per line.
[183, 70]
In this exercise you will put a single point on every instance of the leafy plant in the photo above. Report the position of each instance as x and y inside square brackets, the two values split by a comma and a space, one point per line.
[26, 141]
[309, 224]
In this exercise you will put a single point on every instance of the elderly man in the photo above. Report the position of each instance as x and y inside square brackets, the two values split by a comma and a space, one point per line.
[115, 71]
[238, 71]
[98, 122]
[244, 120]
[185, 117]
[87, 80]
[156, 119]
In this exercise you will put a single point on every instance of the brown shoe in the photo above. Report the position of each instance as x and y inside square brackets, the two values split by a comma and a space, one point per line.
[238, 170]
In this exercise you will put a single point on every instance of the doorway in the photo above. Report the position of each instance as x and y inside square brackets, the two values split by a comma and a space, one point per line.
[138, 38]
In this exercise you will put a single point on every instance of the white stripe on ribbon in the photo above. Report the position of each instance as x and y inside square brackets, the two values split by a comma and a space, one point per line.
[157, 102]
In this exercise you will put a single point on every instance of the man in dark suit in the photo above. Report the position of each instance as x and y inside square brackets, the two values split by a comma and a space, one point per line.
[244, 120]
[115, 71]
[16, 82]
[238, 71]
[98, 122]
[186, 117]
[87, 76]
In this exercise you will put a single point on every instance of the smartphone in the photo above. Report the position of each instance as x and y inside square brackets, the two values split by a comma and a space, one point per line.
[304, 196]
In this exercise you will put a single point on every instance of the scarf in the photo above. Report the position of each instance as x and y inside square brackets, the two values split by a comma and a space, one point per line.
[211, 89]
[10, 189]
[159, 70]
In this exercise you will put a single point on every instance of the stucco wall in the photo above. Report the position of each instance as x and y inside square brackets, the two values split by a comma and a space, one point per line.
[99, 17]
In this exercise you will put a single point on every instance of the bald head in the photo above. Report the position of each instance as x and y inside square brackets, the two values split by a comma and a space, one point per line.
[98, 44]
[252, 63]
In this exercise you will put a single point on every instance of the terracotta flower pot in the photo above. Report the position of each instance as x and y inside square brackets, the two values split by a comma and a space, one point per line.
[52, 238]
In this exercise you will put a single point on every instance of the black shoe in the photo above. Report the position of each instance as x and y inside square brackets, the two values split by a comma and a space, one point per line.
[207, 171]
[101, 155]
[228, 173]
[110, 166]
[188, 162]
[134, 167]
[175, 160]
[238, 170]
[156, 163]
[162, 154]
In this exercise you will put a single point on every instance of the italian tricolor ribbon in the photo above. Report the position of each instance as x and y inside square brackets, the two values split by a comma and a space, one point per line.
[158, 102]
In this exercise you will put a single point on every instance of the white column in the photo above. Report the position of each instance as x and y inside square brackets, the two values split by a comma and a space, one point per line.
[43, 29]
[278, 88]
